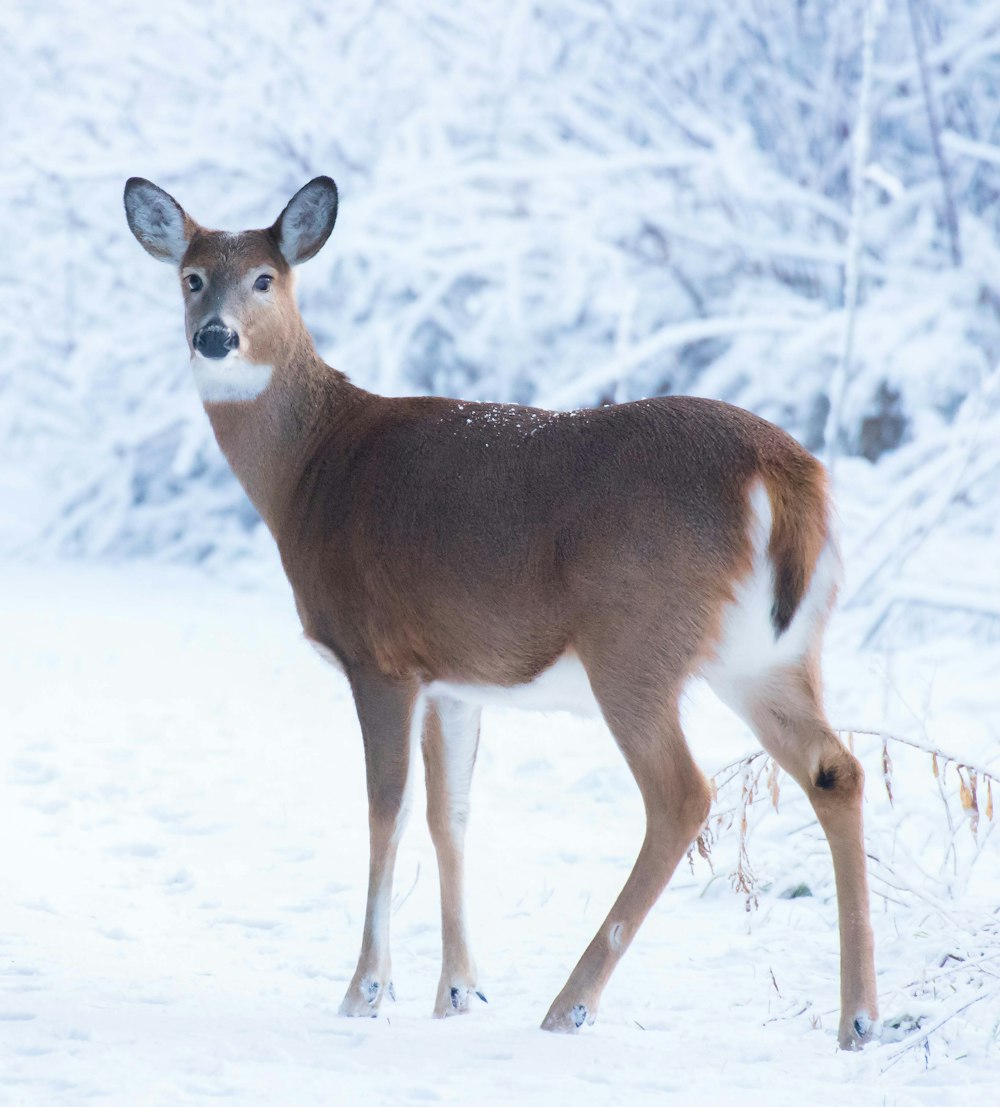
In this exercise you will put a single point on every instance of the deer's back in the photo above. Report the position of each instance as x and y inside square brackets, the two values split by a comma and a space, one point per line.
[451, 538]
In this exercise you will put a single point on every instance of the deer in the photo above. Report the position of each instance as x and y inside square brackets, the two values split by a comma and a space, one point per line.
[448, 555]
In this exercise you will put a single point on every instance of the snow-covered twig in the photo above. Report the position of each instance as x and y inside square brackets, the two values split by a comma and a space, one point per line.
[983, 151]
[841, 378]
[924, 747]
[917, 1039]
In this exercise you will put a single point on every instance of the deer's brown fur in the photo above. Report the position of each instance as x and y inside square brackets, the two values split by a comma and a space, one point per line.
[437, 543]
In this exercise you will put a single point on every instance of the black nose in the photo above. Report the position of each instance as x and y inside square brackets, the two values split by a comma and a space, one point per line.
[215, 339]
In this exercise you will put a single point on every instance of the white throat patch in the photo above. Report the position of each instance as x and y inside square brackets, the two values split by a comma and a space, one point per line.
[230, 379]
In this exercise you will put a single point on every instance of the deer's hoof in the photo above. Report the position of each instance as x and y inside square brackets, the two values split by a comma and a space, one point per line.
[857, 1033]
[567, 1020]
[455, 999]
[364, 997]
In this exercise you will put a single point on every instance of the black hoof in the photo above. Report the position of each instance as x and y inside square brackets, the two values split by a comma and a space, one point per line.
[864, 1028]
[579, 1015]
[482, 997]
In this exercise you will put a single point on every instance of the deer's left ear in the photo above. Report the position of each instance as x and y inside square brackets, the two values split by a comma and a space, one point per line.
[161, 225]
[306, 223]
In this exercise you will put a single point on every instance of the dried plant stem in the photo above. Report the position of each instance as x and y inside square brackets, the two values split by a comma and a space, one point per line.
[918, 1039]
[733, 769]
[925, 747]
[971, 964]
[751, 770]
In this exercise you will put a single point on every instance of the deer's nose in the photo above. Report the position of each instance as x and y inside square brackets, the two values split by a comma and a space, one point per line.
[215, 339]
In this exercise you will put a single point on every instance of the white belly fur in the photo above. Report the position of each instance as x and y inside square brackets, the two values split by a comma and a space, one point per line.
[563, 686]
[746, 653]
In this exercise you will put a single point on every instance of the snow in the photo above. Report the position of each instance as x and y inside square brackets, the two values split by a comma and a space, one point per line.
[557, 204]
[560, 204]
[182, 802]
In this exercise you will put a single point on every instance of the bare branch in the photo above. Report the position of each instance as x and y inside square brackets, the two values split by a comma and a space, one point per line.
[841, 378]
[950, 213]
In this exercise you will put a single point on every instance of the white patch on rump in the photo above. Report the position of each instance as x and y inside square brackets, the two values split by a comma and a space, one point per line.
[563, 686]
[748, 649]
[230, 379]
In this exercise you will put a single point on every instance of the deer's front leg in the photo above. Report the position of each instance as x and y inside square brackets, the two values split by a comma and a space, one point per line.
[390, 712]
[451, 739]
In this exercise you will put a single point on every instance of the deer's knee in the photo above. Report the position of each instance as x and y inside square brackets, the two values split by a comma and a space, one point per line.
[692, 805]
[677, 808]
[838, 781]
[699, 803]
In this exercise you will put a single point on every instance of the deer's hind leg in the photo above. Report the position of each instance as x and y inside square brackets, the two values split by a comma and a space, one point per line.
[643, 717]
[784, 709]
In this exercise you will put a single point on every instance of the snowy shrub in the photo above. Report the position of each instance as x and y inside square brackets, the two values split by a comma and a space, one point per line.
[556, 204]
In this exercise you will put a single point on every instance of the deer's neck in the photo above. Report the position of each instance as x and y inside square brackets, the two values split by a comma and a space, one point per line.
[268, 440]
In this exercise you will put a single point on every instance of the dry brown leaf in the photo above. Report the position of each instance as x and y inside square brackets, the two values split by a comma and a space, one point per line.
[934, 765]
[974, 821]
[773, 786]
[989, 800]
[887, 771]
[964, 792]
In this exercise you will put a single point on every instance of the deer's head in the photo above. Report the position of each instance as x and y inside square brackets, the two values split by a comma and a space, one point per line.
[239, 301]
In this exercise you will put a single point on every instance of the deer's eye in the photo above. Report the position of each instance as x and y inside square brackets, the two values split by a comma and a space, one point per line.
[194, 282]
[263, 282]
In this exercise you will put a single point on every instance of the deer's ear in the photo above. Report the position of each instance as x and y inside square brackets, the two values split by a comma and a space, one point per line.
[160, 224]
[306, 223]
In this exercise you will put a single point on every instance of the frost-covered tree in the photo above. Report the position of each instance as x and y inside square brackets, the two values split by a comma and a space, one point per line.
[566, 203]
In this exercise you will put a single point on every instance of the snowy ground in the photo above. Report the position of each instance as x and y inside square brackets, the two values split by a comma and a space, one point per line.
[182, 882]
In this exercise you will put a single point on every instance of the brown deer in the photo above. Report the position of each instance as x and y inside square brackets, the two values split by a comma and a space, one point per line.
[445, 554]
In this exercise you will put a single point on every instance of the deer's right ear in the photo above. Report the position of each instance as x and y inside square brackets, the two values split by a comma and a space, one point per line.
[160, 224]
[308, 218]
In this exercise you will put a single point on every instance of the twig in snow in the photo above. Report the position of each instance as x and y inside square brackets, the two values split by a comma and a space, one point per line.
[919, 1039]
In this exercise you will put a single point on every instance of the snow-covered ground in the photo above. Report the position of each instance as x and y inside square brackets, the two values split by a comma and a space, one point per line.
[564, 203]
[182, 820]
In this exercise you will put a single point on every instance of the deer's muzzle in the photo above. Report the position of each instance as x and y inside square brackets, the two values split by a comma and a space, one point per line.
[215, 339]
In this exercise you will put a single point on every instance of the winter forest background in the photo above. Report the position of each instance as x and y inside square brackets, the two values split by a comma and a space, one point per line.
[559, 204]
[791, 206]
